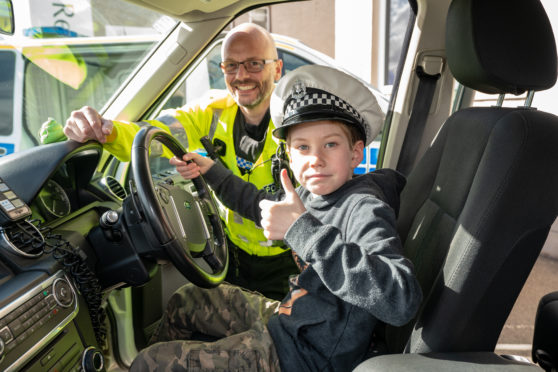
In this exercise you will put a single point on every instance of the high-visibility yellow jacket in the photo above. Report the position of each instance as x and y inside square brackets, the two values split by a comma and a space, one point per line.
[213, 116]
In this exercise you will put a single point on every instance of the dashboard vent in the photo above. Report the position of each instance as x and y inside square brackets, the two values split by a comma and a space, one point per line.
[23, 239]
[115, 187]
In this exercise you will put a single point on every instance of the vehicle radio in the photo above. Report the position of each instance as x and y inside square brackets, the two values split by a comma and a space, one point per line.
[36, 318]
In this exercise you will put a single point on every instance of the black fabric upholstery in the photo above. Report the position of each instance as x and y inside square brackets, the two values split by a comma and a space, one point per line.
[478, 206]
[474, 216]
[501, 46]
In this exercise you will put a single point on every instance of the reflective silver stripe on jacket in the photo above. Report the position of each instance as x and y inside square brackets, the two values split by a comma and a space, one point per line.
[214, 122]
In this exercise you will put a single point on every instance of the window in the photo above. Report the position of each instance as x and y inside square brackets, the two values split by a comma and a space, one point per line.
[95, 73]
[206, 75]
[378, 29]
[64, 56]
[291, 61]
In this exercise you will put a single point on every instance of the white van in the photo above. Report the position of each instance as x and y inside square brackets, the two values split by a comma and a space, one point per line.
[34, 87]
[62, 56]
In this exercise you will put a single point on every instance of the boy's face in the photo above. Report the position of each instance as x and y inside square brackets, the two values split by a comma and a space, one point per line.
[321, 156]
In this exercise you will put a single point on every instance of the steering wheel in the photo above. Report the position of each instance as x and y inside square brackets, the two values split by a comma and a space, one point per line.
[187, 226]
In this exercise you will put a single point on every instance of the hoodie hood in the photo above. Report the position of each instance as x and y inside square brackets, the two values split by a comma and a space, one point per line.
[386, 183]
[390, 183]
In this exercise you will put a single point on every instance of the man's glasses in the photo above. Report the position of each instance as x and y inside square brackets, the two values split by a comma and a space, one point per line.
[252, 65]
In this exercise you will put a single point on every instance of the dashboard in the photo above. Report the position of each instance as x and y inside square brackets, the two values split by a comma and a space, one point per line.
[50, 314]
[78, 236]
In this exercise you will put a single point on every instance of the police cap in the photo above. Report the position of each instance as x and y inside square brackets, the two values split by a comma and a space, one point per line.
[314, 92]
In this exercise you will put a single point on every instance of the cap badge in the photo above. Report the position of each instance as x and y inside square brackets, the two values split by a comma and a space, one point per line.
[299, 90]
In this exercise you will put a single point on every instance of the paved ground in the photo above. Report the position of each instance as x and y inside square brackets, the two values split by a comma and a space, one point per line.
[517, 335]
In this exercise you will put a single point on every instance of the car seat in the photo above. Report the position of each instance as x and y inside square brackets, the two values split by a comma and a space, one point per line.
[478, 206]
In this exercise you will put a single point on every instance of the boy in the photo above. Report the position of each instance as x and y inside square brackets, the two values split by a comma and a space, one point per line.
[340, 228]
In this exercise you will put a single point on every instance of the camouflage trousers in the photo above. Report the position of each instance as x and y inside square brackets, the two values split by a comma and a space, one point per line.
[236, 317]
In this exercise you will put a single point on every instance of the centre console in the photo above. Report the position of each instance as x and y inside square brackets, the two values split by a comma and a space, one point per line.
[37, 331]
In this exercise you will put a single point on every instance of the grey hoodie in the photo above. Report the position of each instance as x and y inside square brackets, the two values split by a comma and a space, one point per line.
[352, 270]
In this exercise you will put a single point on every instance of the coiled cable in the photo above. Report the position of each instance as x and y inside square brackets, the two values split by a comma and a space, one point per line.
[74, 263]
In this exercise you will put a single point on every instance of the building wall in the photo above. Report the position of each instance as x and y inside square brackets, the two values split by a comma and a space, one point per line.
[312, 22]
[326, 26]
[304, 18]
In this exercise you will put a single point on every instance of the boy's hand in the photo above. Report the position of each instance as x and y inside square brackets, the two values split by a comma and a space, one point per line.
[198, 165]
[277, 217]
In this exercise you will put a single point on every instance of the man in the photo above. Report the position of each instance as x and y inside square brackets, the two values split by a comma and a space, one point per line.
[239, 122]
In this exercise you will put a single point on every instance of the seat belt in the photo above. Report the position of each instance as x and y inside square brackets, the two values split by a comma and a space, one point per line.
[421, 108]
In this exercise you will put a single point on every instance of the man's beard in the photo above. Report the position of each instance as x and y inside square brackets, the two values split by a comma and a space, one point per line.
[263, 88]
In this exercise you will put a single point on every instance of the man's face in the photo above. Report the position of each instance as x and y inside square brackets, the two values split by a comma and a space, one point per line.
[321, 155]
[251, 89]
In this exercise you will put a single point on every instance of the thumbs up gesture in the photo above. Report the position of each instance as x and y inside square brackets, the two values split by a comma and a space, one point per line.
[277, 217]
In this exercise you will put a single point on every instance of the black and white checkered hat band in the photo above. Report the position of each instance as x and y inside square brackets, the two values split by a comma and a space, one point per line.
[324, 99]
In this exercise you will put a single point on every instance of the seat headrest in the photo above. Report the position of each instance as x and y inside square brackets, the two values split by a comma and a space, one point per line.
[501, 46]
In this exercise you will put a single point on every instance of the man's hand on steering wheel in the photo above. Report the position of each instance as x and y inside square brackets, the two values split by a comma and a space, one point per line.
[192, 165]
